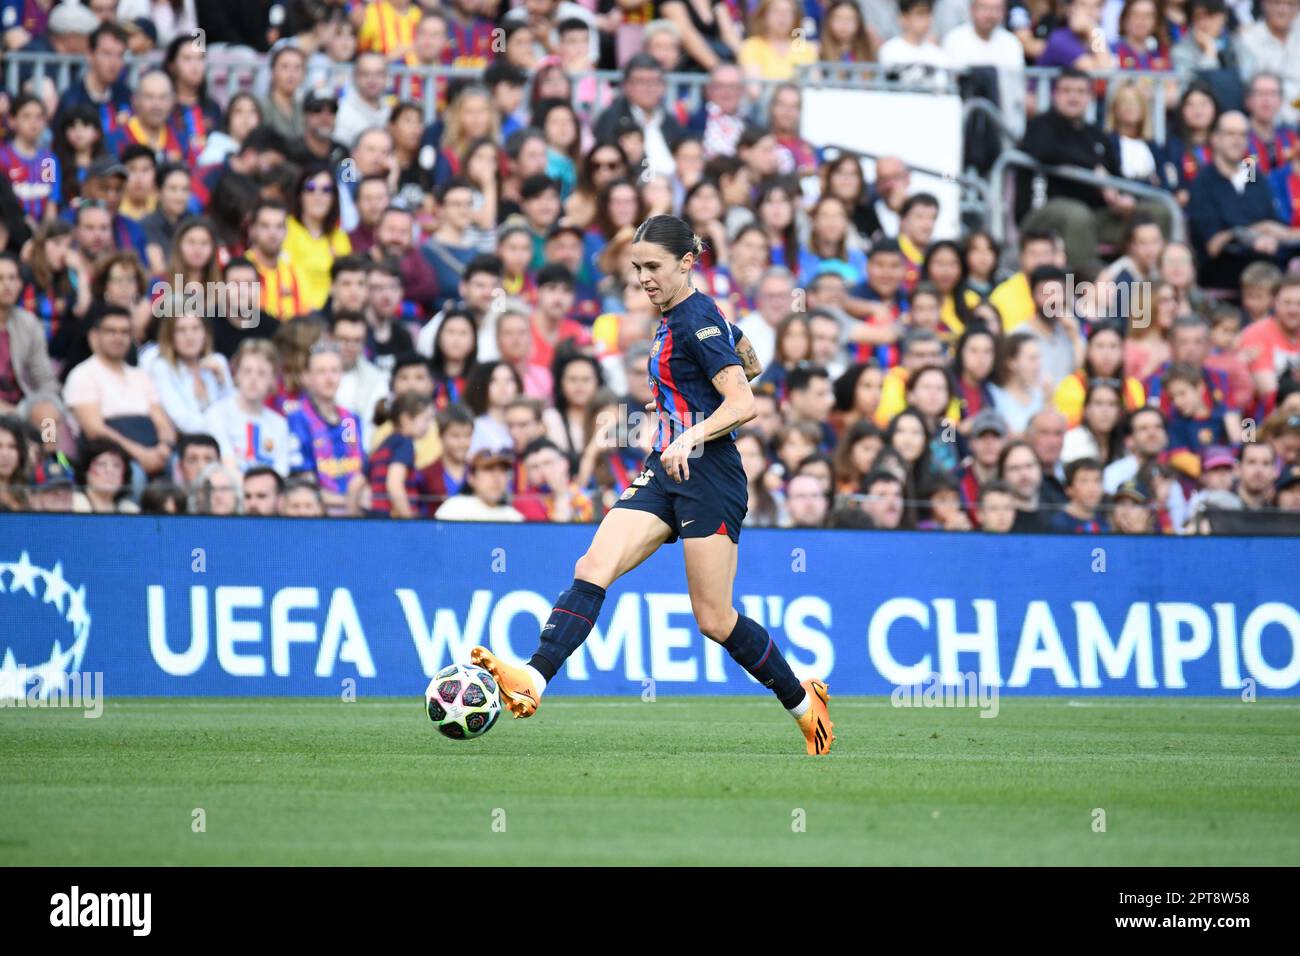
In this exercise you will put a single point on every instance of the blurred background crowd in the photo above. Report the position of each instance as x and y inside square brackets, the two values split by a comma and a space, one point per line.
[372, 258]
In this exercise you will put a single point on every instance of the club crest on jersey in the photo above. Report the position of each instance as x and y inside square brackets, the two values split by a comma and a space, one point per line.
[708, 332]
[655, 351]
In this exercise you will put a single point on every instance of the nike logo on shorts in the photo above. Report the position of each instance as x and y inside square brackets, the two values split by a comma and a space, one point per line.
[685, 523]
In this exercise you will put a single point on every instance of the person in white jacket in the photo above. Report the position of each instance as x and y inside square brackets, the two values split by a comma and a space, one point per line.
[248, 433]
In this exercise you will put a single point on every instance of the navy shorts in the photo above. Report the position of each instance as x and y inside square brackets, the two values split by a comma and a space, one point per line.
[713, 500]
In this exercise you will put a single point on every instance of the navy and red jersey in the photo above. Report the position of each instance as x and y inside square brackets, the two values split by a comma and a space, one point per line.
[114, 112]
[469, 43]
[1062, 522]
[1275, 153]
[36, 179]
[692, 344]
[193, 123]
[396, 449]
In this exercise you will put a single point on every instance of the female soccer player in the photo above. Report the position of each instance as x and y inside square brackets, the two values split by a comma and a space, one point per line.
[692, 486]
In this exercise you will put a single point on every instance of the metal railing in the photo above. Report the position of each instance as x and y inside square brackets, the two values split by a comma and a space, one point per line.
[230, 72]
[999, 210]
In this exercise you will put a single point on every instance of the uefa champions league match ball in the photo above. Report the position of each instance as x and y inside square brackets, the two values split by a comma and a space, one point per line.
[462, 701]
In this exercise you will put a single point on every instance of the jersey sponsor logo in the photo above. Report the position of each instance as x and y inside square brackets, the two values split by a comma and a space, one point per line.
[708, 332]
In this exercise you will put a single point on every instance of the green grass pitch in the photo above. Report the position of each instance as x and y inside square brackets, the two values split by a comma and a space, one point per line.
[676, 781]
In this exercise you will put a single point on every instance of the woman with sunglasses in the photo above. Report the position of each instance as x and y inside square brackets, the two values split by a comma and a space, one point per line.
[1103, 360]
[600, 167]
[314, 238]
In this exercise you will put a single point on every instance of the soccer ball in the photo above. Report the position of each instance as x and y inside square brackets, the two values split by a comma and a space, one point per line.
[462, 701]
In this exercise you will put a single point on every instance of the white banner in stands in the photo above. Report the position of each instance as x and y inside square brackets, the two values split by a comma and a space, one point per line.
[922, 129]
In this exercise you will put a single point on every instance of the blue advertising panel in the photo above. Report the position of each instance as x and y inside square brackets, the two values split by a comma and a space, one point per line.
[240, 606]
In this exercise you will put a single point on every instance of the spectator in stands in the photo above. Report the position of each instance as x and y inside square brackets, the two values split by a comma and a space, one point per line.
[1130, 512]
[387, 335]
[217, 491]
[1083, 486]
[15, 465]
[1013, 298]
[1020, 469]
[363, 106]
[913, 56]
[28, 387]
[1146, 443]
[1231, 215]
[52, 487]
[884, 501]
[483, 498]
[1103, 358]
[1073, 45]
[249, 434]
[1207, 44]
[302, 499]
[1275, 341]
[721, 117]
[111, 399]
[325, 439]
[1268, 47]
[997, 510]
[985, 42]
[807, 502]
[188, 376]
[195, 452]
[363, 385]
[920, 348]
[103, 475]
[1083, 214]
[988, 433]
[102, 85]
[550, 481]
[642, 102]
[1256, 475]
[1046, 436]
[1287, 490]
[263, 488]
[1271, 142]
[1099, 432]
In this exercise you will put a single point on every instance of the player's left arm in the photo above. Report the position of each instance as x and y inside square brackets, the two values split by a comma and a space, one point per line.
[748, 357]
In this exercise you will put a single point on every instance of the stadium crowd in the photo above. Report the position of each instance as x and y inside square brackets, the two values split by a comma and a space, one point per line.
[305, 300]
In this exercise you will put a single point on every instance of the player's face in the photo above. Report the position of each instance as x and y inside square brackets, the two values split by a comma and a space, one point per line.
[664, 277]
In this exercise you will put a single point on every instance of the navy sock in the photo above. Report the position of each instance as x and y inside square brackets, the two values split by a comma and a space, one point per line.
[570, 622]
[753, 649]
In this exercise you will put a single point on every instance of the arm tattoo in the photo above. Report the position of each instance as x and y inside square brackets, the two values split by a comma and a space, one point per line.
[749, 358]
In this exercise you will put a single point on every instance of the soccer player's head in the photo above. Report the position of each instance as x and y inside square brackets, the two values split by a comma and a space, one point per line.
[664, 250]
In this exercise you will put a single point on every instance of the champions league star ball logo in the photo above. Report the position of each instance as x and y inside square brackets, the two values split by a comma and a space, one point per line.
[27, 592]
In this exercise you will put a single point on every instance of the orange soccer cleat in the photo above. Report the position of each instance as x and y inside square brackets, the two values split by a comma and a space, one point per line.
[818, 731]
[517, 691]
